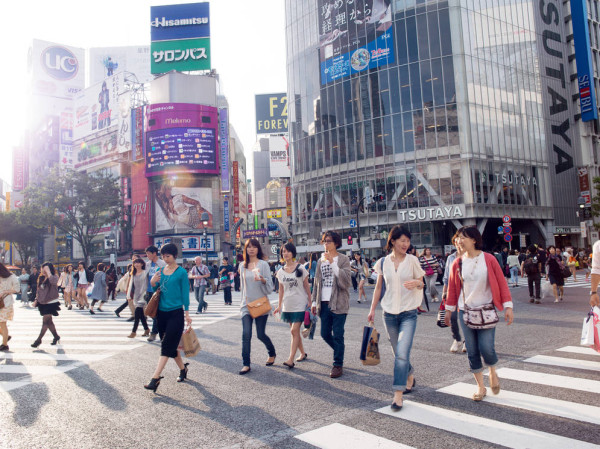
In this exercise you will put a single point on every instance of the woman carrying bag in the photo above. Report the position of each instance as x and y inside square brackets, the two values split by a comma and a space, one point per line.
[137, 292]
[47, 302]
[256, 283]
[478, 286]
[173, 309]
[403, 278]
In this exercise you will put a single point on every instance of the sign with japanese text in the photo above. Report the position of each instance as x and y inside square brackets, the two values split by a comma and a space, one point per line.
[271, 113]
[583, 59]
[96, 151]
[288, 201]
[186, 21]
[181, 55]
[274, 213]
[140, 207]
[124, 131]
[224, 149]
[18, 169]
[354, 36]
[236, 188]
[139, 133]
[253, 233]
[189, 243]
[584, 184]
[226, 215]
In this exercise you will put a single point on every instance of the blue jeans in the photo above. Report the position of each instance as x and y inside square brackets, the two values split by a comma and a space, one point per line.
[332, 331]
[514, 275]
[401, 330]
[199, 292]
[480, 343]
[261, 324]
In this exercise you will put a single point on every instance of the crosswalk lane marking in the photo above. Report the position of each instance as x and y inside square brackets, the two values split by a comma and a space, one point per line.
[339, 436]
[563, 362]
[540, 404]
[52, 357]
[126, 346]
[551, 380]
[579, 350]
[42, 369]
[483, 429]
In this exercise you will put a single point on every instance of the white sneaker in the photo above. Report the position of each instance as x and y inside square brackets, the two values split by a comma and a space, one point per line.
[464, 348]
[455, 346]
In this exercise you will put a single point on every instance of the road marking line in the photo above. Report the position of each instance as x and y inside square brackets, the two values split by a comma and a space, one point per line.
[483, 429]
[565, 363]
[540, 404]
[74, 339]
[552, 380]
[41, 369]
[579, 350]
[57, 357]
[339, 436]
[126, 346]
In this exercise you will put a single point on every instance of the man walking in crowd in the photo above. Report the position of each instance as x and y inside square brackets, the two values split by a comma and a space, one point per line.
[33, 282]
[199, 273]
[532, 269]
[152, 266]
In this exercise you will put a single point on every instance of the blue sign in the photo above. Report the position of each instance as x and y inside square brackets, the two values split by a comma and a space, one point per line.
[507, 238]
[583, 57]
[352, 223]
[60, 63]
[226, 215]
[172, 22]
[499, 228]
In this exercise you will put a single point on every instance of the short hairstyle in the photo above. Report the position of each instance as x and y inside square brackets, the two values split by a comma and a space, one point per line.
[226, 258]
[153, 249]
[100, 267]
[550, 247]
[81, 262]
[169, 248]
[289, 246]
[532, 249]
[395, 234]
[335, 238]
[473, 233]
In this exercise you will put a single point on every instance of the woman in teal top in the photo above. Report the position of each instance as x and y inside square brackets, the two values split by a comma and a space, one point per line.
[172, 309]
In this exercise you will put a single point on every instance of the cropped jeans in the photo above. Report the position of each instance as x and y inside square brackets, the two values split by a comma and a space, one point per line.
[514, 275]
[401, 329]
[480, 343]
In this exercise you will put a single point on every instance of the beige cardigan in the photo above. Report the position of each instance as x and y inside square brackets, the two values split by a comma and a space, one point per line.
[340, 295]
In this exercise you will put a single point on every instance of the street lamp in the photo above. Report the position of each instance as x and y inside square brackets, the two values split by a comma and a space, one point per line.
[205, 219]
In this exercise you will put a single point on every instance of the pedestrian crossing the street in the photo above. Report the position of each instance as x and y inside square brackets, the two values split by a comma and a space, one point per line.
[84, 339]
[577, 361]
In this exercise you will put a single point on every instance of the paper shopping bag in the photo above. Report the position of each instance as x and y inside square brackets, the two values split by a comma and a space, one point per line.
[369, 353]
[191, 345]
[587, 331]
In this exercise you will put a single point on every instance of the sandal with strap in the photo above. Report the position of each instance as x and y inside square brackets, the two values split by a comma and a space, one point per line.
[478, 397]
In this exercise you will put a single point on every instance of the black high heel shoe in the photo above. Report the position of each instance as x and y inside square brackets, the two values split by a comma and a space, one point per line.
[183, 373]
[154, 383]
[36, 343]
[55, 340]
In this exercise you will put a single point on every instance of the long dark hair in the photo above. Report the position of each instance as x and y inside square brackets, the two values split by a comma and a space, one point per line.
[43, 280]
[133, 269]
[4, 271]
[254, 243]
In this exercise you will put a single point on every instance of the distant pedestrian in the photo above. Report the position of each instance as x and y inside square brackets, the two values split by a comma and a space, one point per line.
[361, 268]
[137, 292]
[458, 343]
[572, 264]
[9, 285]
[33, 278]
[84, 277]
[69, 285]
[214, 279]
[225, 272]
[173, 313]
[515, 267]
[153, 265]
[430, 266]
[111, 281]
[24, 284]
[531, 268]
[99, 291]
[47, 302]
[554, 272]
[200, 274]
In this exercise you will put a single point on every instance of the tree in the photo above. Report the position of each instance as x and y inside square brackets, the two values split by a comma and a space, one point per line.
[23, 228]
[77, 203]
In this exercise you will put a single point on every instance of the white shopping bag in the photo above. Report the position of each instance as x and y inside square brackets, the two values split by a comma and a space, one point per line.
[546, 289]
[587, 331]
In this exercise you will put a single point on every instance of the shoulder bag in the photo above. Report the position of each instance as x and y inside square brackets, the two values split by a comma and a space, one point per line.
[152, 307]
[429, 271]
[258, 307]
[482, 317]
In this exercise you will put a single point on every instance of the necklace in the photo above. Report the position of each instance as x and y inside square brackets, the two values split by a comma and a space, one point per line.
[474, 266]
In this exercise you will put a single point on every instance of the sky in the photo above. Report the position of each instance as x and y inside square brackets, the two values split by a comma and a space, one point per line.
[247, 50]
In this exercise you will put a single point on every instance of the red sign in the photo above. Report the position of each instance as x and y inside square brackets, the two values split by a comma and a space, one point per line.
[288, 200]
[18, 170]
[584, 184]
[507, 230]
[249, 208]
[237, 234]
[506, 219]
[507, 237]
[140, 207]
[236, 189]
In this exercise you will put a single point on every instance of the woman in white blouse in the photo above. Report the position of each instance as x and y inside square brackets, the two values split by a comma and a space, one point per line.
[403, 278]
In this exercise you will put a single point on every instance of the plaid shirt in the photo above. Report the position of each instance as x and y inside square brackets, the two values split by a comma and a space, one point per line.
[201, 270]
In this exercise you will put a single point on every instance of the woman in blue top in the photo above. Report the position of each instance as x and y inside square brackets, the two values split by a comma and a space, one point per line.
[174, 304]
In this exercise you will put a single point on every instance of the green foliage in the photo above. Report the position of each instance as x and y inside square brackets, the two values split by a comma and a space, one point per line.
[23, 228]
[77, 203]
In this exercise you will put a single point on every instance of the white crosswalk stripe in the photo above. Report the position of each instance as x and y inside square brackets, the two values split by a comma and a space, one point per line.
[484, 429]
[85, 338]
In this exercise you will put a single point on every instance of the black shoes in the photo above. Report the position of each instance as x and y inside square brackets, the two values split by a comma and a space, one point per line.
[36, 343]
[183, 373]
[244, 371]
[289, 365]
[92, 312]
[154, 383]
[55, 340]
[117, 313]
[131, 318]
[409, 390]
[3, 348]
[395, 407]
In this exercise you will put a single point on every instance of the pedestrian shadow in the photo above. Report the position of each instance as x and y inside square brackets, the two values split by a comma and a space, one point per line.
[214, 338]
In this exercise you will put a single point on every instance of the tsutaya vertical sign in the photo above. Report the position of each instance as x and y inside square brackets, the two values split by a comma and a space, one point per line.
[556, 98]
[583, 57]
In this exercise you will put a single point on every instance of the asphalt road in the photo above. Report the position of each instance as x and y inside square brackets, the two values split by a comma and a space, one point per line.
[88, 393]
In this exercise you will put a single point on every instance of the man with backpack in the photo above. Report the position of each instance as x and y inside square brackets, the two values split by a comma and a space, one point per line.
[532, 268]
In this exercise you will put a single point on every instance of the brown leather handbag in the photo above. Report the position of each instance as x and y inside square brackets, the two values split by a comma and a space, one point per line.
[259, 307]
[152, 306]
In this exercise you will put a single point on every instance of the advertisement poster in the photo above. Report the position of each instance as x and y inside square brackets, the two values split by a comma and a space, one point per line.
[181, 208]
[138, 120]
[18, 179]
[124, 121]
[354, 36]
[96, 152]
[106, 61]
[140, 213]
[271, 113]
[236, 188]
[279, 157]
[57, 70]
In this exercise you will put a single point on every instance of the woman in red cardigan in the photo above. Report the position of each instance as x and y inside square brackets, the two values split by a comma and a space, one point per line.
[476, 280]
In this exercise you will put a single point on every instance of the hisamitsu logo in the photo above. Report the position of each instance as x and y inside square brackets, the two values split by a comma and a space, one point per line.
[60, 63]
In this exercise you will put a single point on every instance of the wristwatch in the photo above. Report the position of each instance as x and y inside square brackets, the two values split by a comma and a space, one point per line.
[593, 293]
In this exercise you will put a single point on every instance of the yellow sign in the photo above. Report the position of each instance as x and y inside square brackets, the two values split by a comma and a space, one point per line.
[7, 201]
[275, 213]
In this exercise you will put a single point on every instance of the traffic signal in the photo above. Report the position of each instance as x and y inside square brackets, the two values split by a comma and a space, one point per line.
[349, 240]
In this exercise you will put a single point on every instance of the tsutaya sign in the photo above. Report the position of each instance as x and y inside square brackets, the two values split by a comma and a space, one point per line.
[431, 213]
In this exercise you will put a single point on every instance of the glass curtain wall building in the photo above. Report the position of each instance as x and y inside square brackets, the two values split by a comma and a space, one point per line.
[436, 108]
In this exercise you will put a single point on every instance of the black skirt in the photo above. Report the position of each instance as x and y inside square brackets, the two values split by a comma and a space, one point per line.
[170, 328]
[49, 309]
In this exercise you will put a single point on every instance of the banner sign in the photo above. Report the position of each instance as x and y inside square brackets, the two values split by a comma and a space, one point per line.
[224, 149]
[140, 207]
[97, 151]
[139, 133]
[18, 158]
[271, 113]
[274, 213]
[189, 243]
[583, 58]
[57, 70]
[279, 157]
[584, 184]
[182, 55]
[253, 233]
[236, 189]
[124, 123]
[288, 201]
[226, 215]
[172, 22]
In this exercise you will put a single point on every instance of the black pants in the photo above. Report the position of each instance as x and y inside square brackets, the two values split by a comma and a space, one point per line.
[227, 295]
[122, 307]
[112, 290]
[530, 281]
[170, 330]
[354, 283]
[139, 316]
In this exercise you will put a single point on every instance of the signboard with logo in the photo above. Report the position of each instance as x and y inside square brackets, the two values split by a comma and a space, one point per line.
[182, 55]
[354, 37]
[583, 58]
[279, 157]
[236, 188]
[271, 113]
[189, 243]
[181, 137]
[274, 213]
[224, 149]
[106, 61]
[18, 178]
[226, 215]
[253, 233]
[57, 70]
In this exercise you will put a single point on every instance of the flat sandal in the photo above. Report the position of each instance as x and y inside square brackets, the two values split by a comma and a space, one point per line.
[478, 397]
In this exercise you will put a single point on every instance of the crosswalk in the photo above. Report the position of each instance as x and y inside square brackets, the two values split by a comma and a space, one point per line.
[574, 364]
[85, 339]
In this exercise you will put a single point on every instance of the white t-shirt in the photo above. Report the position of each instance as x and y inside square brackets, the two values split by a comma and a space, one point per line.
[397, 298]
[82, 279]
[328, 272]
[476, 284]
[294, 294]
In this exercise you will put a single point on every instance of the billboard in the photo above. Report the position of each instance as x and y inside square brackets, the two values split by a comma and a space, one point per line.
[181, 208]
[96, 152]
[279, 158]
[66, 159]
[271, 113]
[57, 70]
[583, 58]
[182, 55]
[354, 36]
[254, 233]
[19, 163]
[106, 61]
[236, 187]
[96, 107]
[189, 243]
[181, 138]
[140, 207]
[124, 132]
[224, 149]
[138, 134]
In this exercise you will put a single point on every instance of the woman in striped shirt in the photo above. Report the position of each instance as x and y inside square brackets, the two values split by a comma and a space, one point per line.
[430, 265]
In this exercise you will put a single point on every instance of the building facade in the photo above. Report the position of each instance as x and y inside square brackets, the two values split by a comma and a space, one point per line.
[452, 113]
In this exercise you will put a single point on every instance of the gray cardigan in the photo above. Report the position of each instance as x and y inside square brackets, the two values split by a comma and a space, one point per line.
[251, 289]
[340, 295]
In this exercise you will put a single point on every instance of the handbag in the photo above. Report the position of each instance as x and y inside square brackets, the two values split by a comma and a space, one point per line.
[369, 350]
[152, 307]
[482, 317]
[428, 271]
[441, 315]
[259, 307]
[1, 303]
[566, 272]
[189, 343]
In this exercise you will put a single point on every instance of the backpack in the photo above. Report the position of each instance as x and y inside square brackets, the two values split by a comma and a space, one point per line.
[531, 266]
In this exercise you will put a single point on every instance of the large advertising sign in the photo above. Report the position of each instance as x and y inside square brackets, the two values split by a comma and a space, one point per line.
[354, 36]
[182, 55]
[96, 152]
[236, 188]
[57, 70]
[583, 57]
[124, 132]
[96, 107]
[140, 207]
[18, 177]
[271, 113]
[190, 243]
[224, 149]
[181, 208]
[66, 159]
[138, 135]
[106, 61]
[584, 184]
[279, 157]
[181, 138]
